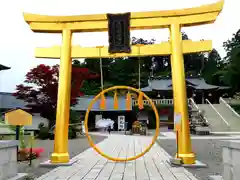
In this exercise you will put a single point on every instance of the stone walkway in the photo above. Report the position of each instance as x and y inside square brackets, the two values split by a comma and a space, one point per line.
[91, 166]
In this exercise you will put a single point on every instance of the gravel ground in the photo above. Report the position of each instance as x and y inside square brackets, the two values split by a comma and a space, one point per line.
[207, 151]
[76, 146]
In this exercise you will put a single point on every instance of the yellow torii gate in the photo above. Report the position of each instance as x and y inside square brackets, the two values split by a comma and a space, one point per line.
[174, 20]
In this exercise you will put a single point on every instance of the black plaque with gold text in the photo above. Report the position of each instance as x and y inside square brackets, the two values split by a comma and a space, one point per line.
[119, 33]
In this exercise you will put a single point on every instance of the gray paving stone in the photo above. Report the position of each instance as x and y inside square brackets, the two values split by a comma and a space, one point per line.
[141, 171]
[129, 178]
[190, 175]
[106, 171]
[91, 166]
[181, 176]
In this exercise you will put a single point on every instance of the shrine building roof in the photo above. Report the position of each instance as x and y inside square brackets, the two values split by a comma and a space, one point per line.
[2, 67]
[165, 84]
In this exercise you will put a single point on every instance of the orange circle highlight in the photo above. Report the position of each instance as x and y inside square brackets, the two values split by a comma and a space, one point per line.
[115, 158]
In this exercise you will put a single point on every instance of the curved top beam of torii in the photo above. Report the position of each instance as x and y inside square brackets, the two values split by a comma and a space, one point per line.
[204, 14]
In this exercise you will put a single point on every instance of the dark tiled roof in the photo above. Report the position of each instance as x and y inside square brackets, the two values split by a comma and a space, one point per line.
[162, 84]
[200, 83]
[224, 87]
[83, 103]
[2, 67]
[147, 89]
[8, 101]
[165, 84]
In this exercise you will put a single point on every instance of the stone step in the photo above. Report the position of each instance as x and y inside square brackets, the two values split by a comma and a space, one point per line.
[229, 116]
[216, 123]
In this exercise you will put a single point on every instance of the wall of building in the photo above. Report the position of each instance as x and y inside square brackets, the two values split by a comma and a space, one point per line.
[8, 162]
[231, 160]
[36, 120]
[130, 117]
[8, 101]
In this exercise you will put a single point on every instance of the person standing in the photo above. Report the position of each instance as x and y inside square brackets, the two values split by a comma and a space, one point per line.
[109, 129]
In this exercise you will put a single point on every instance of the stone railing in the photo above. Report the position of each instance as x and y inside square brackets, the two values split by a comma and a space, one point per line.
[218, 113]
[8, 160]
[228, 106]
[231, 160]
[157, 101]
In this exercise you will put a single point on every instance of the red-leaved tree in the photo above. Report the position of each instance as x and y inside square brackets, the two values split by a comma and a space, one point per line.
[41, 86]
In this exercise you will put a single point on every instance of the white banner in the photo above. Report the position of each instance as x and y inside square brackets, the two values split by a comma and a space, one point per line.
[97, 118]
[83, 128]
[121, 123]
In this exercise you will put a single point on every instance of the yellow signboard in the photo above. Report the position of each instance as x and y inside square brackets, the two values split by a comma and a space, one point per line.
[18, 117]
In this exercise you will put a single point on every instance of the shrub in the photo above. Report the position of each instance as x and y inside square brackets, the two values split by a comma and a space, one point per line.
[43, 133]
[41, 125]
[236, 95]
[72, 133]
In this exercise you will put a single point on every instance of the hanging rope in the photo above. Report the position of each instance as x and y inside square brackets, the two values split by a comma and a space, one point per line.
[139, 67]
[103, 100]
[101, 69]
[140, 96]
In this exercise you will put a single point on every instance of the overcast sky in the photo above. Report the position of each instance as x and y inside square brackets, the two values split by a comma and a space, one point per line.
[17, 42]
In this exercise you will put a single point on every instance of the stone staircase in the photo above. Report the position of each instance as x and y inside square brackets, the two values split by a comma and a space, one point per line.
[229, 116]
[215, 121]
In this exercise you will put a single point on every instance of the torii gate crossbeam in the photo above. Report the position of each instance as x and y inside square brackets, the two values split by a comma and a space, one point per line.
[174, 20]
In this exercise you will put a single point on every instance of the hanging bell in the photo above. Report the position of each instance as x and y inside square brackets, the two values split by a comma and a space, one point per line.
[103, 102]
[128, 101]
[140, 101]
[115, 101]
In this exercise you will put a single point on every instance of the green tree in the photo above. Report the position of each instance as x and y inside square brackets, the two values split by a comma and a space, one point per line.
[124, 71]
[233, 69]
[231, 62]
[40, 87]
[193, 63]
[230, 45]
[119, 71]
[212, 64]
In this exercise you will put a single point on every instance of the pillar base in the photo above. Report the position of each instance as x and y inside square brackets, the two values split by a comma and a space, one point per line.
[189, 158]
[59, 158]
[190, 161]
[175, 162]
[49, 164]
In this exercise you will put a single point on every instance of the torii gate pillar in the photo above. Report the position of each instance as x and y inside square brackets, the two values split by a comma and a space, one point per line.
[180, 96]
[60, 153]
